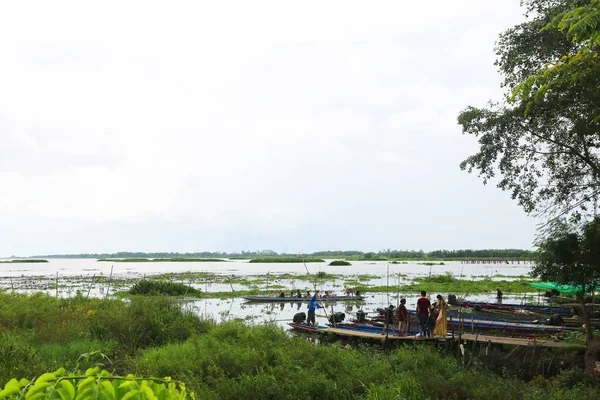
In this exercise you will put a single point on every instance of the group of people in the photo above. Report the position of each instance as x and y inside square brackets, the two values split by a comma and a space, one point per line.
[432, 317]
[307, 295]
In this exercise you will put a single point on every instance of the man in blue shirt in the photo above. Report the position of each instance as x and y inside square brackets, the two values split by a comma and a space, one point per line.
[311, 309]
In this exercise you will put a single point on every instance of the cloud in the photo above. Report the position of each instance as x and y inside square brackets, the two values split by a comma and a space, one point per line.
[239, 122]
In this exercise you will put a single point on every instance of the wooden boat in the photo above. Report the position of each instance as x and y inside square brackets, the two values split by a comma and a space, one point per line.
[507, 306]
[377, 336]
[475, 324]
[288, 299]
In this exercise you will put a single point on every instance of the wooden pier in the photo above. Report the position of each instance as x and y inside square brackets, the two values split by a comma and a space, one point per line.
[465, 337]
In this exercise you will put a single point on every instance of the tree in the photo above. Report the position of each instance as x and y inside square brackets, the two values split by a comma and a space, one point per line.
[571, 256]
[544, 138]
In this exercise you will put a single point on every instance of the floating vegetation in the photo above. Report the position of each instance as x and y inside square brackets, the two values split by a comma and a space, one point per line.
[399, 262]
[339, 262]
[152, 287]
[138, 260]
[23, 261]
[431, 263]
[285, 260]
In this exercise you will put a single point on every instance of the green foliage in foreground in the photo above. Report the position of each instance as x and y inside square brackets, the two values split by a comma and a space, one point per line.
[285, 260]
[151, 287]
[339, 262]
[94, 384]
[23, 261]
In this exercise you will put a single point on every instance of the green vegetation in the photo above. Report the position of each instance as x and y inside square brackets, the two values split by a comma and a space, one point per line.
[138, 260]
[431, 263]
[93, 384]
[23, 261]
[154, 337]
[383, 255]
[447, 283]
[540, 143]
[571, 256]
[285, 260]
[339, 262]
[153, 287]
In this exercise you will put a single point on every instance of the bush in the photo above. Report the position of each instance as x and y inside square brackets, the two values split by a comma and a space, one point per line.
[339, 262]
[149, 287]
[145, 322]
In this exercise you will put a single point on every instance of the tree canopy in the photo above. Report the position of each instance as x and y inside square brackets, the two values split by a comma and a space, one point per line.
[543, 139]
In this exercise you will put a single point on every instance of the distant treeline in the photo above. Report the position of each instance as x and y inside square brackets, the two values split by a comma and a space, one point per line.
[347, 254]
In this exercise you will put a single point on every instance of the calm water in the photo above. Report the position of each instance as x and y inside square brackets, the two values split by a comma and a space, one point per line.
[76, 274]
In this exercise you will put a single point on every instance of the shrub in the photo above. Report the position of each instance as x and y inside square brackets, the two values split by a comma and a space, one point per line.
[150, 287]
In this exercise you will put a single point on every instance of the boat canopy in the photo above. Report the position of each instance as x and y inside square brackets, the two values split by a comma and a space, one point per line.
[562, 288]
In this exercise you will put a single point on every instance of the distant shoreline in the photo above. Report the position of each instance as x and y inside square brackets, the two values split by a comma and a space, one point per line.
[349, 255]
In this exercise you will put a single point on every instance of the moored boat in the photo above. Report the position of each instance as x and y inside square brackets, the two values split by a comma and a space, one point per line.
[271, 299]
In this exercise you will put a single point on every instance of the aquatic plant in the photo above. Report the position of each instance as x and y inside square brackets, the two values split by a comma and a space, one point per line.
[159, 287]
[339, 262]
[285, 260]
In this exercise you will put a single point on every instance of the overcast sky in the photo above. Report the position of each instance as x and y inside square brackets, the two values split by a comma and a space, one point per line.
[229, 126]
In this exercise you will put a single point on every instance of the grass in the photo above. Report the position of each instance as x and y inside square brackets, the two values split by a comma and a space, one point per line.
[285, 260]
[23, 261]
[447, 283]
[157, 337]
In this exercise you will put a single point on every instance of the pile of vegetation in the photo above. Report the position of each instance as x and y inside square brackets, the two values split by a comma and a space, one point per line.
[339, 262]
[156, 338]
[152, 288]
[285, 260]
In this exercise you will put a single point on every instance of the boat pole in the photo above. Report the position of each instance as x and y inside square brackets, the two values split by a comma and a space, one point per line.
[315, 286]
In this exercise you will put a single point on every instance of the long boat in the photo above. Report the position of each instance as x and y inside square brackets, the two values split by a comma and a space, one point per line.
[472, 323]
[508, 306]
[377, 336]
[288, 299]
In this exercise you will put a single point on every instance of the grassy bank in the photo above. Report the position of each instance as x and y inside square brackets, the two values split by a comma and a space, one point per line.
[155, 337]
[23, 261]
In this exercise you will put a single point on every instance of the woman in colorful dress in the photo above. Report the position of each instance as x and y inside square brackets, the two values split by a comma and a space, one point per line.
[441, 309]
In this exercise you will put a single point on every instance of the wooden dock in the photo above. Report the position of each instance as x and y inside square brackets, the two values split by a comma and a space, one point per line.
[466, 337]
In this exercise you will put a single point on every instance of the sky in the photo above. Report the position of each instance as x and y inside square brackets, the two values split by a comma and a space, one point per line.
[234, 125]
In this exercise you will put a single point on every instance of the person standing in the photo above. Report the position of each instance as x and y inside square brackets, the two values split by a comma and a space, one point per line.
[389, 320]
[499, 295]
[423, 305]
[311, 309]
[441, 323]
[402, 314]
